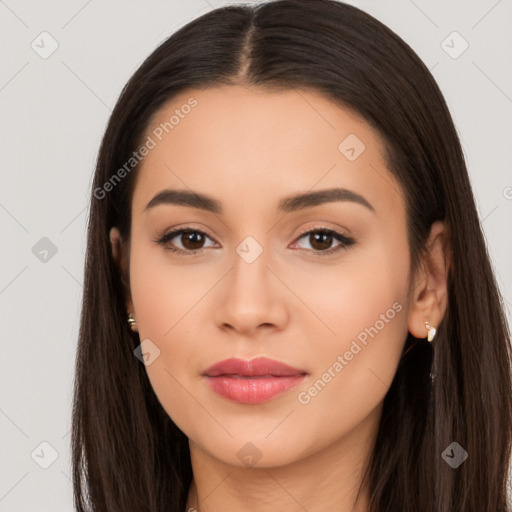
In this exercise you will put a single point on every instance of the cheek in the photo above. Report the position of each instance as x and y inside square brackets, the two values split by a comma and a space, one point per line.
[168, 297]
[368, 285]
[363, 302]
[164, 290]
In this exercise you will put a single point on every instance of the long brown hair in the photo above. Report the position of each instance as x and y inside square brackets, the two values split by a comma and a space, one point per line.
[127, 453]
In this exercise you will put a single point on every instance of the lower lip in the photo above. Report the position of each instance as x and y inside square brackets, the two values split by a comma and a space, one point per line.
[252, 390]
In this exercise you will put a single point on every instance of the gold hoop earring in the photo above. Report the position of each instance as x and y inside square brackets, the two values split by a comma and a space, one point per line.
[431, 331]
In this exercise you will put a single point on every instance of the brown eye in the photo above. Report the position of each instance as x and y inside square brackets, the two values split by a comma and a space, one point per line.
[184, 240]
[321, 241]
[192, 240]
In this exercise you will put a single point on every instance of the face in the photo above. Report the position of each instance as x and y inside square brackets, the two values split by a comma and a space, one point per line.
[319, 284]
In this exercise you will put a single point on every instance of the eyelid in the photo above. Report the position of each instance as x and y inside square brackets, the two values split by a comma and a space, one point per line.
[185, 227]
[322, 227]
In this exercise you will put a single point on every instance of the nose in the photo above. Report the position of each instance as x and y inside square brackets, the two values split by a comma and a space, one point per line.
[252, 298]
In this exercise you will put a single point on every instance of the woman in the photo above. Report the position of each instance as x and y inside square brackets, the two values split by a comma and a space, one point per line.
[288, 301]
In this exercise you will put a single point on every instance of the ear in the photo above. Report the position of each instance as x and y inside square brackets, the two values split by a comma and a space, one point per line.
[429, 296]
[120, 257]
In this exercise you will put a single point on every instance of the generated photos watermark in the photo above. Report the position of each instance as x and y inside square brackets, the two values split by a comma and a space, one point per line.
[361, 341]
[150, 143]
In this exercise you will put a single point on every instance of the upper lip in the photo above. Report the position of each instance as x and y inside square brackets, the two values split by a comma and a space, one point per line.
[259, 366]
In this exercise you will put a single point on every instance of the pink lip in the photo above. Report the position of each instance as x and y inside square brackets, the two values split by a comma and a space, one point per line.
[252, 382]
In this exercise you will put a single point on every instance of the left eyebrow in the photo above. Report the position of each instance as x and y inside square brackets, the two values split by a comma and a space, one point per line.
[318, 197]
[287, 204]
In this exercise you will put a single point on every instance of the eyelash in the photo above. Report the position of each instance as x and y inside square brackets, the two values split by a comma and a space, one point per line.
[345, 240]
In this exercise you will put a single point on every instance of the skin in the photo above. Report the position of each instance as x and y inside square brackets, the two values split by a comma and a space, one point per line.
[248, 148]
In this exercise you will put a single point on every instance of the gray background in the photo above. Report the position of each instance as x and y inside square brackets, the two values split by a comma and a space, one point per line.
[53, 114]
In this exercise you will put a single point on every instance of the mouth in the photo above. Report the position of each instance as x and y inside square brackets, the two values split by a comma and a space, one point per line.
[252, 382]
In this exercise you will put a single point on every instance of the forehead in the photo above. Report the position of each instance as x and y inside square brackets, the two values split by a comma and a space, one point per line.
[253, 144]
